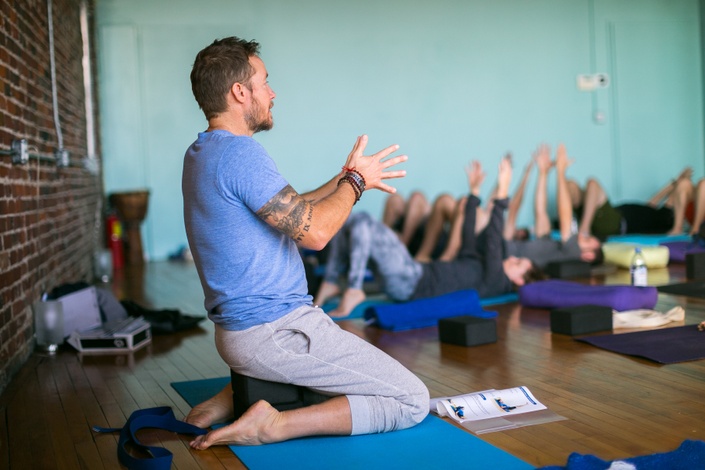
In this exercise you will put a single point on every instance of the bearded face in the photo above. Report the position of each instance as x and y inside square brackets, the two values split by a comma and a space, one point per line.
[259, 117]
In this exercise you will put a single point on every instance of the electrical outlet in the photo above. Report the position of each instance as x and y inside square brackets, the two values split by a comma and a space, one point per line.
[62, 158]
[20, 154]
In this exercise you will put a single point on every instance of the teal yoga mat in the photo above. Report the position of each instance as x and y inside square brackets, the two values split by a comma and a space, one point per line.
[432, 444]
[648, 239]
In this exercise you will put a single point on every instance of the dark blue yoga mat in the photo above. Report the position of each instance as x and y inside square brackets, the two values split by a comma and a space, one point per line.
[690, 455]
[432, 444]
[426, 312]
[359, 310]
[663, 345]
[375, 302]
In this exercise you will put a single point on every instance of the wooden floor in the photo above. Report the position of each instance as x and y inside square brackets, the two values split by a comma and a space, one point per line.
[616, 406]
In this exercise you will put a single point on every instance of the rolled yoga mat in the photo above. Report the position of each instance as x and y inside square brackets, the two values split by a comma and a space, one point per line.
[423, 313]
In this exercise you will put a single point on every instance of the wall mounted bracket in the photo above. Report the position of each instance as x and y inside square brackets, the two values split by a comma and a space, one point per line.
[20, 153]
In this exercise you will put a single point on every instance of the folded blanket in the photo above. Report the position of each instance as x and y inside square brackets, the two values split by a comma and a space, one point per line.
[555, 293]
[426, 312]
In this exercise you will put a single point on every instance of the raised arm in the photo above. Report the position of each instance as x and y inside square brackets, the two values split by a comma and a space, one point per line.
[494, 244]
[542, 223]
[313, 218]
[565, 208]
[516, 202]
[468, 237]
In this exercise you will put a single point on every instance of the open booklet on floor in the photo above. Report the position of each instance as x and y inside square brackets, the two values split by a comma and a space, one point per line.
[494, 410]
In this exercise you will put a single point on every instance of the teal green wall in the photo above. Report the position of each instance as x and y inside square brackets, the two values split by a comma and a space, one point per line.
[450, 81]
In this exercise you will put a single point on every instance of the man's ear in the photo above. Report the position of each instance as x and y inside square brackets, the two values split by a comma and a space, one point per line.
[239, 92]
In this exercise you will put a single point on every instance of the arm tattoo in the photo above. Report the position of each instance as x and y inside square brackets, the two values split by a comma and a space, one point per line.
[288, 212]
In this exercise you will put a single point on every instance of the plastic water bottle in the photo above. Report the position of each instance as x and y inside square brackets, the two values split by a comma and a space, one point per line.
[638, 268]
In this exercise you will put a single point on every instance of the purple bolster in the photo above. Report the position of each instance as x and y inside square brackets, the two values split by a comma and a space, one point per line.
[562, 294]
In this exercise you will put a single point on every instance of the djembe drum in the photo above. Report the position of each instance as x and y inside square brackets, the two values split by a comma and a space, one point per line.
[131, 208]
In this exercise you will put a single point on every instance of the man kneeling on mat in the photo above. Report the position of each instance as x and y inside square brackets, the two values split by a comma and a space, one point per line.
[244, 224]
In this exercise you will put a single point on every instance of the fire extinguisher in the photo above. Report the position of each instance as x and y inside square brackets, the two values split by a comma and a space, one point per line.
[113, 229]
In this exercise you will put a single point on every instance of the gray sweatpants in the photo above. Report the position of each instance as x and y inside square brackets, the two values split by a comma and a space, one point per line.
[307, 348]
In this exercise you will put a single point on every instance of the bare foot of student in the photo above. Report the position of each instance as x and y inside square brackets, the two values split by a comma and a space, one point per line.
[214, 410]
[422, 258]
[326, 291]
[351, 299]
[256, 426]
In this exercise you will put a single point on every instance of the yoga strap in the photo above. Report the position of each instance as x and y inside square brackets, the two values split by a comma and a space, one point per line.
[161, 417]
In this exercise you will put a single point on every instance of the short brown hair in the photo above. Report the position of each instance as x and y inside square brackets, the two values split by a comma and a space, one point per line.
[533, 274]
[217, 68]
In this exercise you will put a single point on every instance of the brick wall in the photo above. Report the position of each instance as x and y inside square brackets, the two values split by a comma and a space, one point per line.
[47, 214]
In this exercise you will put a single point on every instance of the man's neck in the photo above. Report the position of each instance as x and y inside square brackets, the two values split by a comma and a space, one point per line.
[228, 123]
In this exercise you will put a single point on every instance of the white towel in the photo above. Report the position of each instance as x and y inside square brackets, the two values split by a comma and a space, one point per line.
[645, 318]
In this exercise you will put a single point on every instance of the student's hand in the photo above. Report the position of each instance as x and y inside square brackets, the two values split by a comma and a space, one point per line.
[562, 160]
[475, 177]
[372, 168]
[504, 177]
[687, 173]
[527, 168]
[542, 156]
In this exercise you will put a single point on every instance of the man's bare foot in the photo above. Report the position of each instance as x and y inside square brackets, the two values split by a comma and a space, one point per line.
[214, 410]
[351, 299]
[327, 290]
[256, 426]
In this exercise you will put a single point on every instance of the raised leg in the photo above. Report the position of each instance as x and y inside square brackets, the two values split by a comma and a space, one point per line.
[699, 217]
[595, 197]
[678, 201]
[441, 214]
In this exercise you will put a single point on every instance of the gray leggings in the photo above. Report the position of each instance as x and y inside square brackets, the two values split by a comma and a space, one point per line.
[365, 238]
[307, 348]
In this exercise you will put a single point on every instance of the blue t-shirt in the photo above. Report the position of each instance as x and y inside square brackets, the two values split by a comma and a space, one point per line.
[250, 272]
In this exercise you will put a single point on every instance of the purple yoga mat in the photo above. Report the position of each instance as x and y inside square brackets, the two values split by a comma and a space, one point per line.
[664, 345]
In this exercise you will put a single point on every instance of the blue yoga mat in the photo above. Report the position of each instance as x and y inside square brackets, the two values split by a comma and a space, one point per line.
[690, 455]
[432, 444]
[359, 311]
[426, 312]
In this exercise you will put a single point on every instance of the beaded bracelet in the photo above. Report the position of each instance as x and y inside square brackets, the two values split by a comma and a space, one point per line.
[347, 169]
[347, 178]
[358, 179]
[352, 183]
